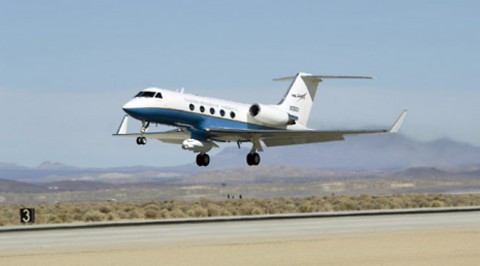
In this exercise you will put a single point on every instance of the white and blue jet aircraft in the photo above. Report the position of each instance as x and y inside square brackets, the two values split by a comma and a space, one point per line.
[202, 122]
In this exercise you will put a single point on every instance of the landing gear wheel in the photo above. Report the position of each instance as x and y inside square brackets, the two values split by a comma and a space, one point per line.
[253, 158]
[141, 140]
[203, 159]
[199, 160]
[206, 160]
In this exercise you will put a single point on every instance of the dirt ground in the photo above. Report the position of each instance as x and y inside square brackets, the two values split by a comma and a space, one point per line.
[449, 246]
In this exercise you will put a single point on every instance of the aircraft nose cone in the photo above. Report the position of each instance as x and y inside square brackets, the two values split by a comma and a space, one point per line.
[129, 107]
[127, 110]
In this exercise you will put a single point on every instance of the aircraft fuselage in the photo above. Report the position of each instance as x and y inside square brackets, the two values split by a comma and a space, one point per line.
[187, 110]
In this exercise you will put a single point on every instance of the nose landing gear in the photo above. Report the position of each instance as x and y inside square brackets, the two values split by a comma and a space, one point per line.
[145, 126]
[141, 140]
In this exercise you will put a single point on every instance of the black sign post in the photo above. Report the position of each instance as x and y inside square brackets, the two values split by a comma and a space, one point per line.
[27, 215]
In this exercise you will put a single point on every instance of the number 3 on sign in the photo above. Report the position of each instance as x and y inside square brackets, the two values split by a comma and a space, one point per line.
[27, 215]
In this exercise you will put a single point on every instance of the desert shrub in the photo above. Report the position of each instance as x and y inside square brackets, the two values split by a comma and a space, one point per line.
[437, 204]
[65, 217]
[152, 206]
[78, 217]
[306, 207]
[105, 209]
[256, 211]
[112, 217]
[165, 214]
[128, 209]
[214, 210]
[178, 213]
[397, 203]
[151, 214]
[98, 211]
[94, 216]
[346, 204]
[197, 211]
[422, 201]
[326, 207]
[135, 214]
[54, 219]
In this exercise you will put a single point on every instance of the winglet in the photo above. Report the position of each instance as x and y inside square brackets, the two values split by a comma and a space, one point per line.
[122, 129]
[396, 126]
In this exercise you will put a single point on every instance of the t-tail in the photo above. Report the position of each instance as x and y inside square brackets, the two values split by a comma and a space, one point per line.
[299, 98]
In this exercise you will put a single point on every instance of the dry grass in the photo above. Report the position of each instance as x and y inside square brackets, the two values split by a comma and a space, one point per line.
[69, 212]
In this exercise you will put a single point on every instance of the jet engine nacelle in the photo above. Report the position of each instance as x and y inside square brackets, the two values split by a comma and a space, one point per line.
[196, 145]
[270, 115]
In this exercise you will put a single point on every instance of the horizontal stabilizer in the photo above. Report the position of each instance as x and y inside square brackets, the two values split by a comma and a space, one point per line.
[320, 77]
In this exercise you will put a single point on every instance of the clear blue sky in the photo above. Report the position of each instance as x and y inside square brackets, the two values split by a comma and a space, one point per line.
[67, 67]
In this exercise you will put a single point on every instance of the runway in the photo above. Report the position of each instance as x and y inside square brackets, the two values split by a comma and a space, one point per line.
[422, 239]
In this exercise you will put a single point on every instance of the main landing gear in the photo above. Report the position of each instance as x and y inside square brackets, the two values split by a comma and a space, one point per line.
[253, 158]
[203, 159]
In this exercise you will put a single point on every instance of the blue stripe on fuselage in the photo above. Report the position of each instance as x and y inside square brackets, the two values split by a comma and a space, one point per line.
[178, 117]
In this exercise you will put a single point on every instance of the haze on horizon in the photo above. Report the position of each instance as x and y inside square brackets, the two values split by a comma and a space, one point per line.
[66, 68]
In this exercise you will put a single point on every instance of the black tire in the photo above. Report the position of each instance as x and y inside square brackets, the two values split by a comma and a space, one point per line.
[206, 160]
[203, 160]
[199, 160]
[253, 159]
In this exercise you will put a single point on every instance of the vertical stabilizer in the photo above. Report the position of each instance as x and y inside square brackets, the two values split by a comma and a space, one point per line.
[299, 98]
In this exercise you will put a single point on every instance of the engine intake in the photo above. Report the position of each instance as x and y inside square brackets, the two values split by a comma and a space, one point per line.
[270, 115]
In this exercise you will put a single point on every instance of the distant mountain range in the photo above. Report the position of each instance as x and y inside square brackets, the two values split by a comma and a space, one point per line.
[360, 153]
[391, 156]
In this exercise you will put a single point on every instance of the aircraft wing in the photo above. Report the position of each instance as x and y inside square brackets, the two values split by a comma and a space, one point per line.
[176, 136]
[172, 136]
[289, 137]
[283, 137]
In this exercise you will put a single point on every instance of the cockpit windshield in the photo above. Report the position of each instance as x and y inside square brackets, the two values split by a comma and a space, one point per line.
[149, 94]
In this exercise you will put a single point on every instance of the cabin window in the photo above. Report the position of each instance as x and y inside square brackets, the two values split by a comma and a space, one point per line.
[212, 111]
[192, 107]
[202, 109]
[232, 114]
[159, 95]
[222, 112]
